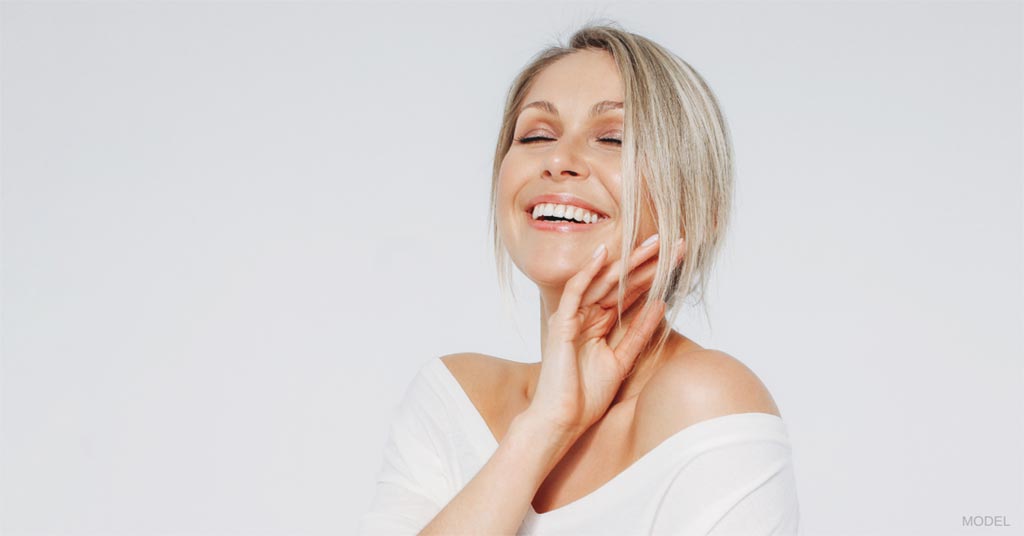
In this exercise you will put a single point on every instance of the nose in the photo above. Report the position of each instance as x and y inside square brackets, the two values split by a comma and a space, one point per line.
[564, 162]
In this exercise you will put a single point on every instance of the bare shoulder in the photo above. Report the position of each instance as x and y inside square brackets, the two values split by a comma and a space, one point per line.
[492, 383]
[695, 386]
[474, 368]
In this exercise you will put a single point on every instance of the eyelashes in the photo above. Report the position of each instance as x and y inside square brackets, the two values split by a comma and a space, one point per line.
[534, 139]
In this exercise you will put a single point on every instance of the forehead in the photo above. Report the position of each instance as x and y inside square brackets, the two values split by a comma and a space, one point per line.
[583, 77]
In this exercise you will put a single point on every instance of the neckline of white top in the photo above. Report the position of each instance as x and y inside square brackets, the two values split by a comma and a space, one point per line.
[741, 420]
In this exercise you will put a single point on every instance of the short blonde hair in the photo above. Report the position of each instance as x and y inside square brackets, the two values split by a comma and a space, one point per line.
[675, 140]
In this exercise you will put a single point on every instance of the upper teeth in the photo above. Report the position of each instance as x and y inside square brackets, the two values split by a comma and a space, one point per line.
[564, 211]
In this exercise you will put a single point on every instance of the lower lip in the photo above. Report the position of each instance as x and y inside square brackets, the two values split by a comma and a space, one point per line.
[562, 226]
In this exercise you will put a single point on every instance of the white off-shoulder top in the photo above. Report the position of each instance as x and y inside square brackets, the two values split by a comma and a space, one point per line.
[728, 475]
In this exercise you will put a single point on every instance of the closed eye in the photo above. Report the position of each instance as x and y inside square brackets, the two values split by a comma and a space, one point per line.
[534, 139]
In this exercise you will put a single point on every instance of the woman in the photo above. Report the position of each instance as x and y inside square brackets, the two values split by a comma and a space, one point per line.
[624, 426]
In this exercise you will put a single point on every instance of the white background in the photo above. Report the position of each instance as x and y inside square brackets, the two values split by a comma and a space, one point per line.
[233, 231]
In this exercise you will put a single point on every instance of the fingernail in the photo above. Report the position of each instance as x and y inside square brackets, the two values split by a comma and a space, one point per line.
[649, 241]
[600, 249]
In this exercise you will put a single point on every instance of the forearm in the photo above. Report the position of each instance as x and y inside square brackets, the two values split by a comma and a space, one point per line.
[497, 499]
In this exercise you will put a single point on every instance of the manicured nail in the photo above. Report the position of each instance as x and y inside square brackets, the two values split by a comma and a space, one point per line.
[649, 241]
[600, 249]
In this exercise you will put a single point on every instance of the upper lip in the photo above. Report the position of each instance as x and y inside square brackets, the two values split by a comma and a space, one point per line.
[563, 199]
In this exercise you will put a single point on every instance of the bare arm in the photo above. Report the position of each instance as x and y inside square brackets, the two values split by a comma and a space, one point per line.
[497, 499]
[575, 387]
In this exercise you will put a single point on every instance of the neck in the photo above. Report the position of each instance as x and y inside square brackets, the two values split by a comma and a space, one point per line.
[646, 362]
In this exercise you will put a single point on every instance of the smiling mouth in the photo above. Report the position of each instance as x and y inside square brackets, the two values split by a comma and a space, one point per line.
[565, 220]
[548, 223]
[547, 212]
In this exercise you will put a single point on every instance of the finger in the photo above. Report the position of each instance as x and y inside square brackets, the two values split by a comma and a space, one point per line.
[638, 333]
[569, 304]
[610, 279]
[639, 281]
[632, 297]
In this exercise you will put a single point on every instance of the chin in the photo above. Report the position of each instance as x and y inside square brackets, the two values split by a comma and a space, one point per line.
[550, 271]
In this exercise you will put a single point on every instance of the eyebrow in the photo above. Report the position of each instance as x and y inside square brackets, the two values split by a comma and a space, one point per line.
[597, 109]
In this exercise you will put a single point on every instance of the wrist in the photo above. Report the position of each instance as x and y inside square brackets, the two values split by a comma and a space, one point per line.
[543, 432]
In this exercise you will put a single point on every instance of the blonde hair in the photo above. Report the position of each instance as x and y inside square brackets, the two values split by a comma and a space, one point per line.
[675, 140]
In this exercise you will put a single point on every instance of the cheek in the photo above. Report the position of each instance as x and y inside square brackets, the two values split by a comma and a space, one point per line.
[505, 201]
[511, 178]
[611, 174]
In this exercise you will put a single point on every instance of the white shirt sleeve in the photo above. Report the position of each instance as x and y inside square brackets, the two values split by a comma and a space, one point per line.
[412, 484]
[738, 486]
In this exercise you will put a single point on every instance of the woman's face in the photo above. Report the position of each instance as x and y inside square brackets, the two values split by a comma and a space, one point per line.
[567, 150]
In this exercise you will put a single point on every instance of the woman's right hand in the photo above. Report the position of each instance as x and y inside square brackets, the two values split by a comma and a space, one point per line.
[580, 372]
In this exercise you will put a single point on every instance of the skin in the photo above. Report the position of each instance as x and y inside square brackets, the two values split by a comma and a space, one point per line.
[579, 386]
[576, 157]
